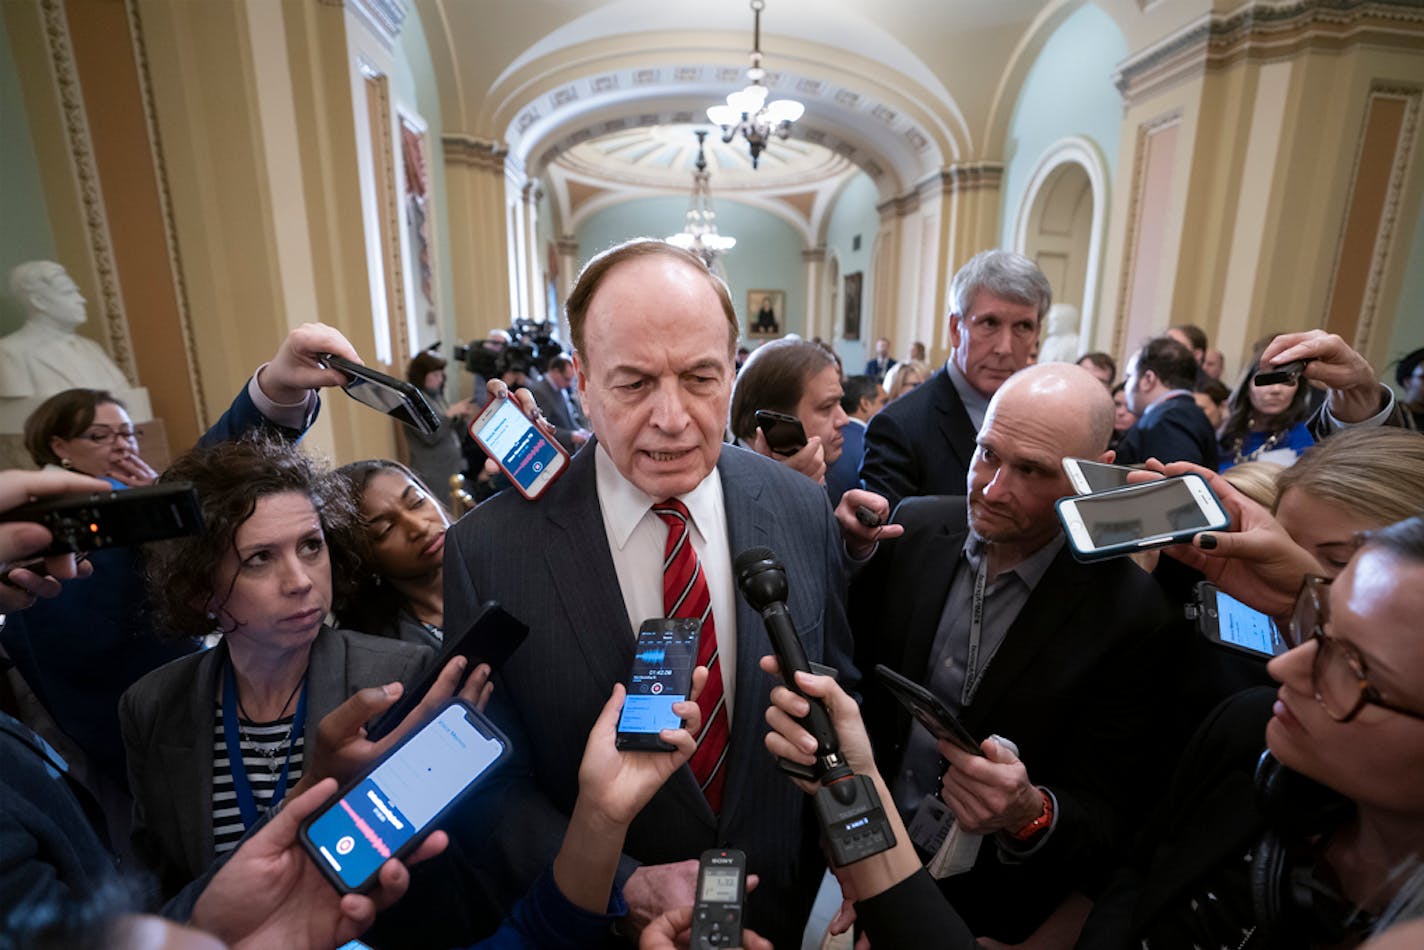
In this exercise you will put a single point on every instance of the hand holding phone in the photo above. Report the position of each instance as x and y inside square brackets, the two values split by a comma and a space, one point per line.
[530, 459]
[1140, 517]
[784, 433]
[1229, 623]
[1284, 373]
[397, 398]
[388, 811]
[663, 660]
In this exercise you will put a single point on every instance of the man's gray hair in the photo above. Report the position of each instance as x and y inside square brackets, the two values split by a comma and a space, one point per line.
[1003, 274]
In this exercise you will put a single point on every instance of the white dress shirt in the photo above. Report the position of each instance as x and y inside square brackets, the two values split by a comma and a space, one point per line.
[637, 539]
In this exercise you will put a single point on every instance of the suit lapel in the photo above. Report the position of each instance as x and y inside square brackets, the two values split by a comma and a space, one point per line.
[940, 555]
[1056, 597]
[188, 750]
[747, 521]
[955, 425]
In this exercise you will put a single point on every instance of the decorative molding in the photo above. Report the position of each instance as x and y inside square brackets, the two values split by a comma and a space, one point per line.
[814, 255]
[1263, 32]
[1134, 208]
[170, 227]
[388, 200]
[1389, 214]
[384, 17]
[86, 174]
[474, 152]
[567, 245]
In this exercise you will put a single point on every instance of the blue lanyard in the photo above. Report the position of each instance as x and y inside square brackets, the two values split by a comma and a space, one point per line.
[240, 785]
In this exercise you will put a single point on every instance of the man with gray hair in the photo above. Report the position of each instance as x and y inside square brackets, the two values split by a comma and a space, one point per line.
[922, 443]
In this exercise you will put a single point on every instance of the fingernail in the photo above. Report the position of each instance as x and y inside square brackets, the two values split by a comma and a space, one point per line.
[390, 689]
[1207, 541]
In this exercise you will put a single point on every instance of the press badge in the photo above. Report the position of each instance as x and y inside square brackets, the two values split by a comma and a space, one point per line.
[931, 823]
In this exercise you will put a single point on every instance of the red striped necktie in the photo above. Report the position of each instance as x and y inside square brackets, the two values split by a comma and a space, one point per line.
[685, 594]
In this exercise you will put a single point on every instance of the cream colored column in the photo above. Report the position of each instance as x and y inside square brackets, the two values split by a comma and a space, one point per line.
[474, 187]
[568, 248]
[819, 322]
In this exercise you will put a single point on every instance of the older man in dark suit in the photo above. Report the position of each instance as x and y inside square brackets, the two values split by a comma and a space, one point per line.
[583, 566]
[921, 444]
[559, 406]
[1020, 640]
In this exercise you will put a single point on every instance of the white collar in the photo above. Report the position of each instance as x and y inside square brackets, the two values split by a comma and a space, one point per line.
[625, 504]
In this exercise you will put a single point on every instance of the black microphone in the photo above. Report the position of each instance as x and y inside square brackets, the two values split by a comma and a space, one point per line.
[847, 805]
[762, 580]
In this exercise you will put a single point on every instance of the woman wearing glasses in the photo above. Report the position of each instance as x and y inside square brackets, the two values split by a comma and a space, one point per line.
[88, 431]
[1305, 845]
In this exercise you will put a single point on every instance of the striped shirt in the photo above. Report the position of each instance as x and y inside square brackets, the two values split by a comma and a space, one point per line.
[262, 773]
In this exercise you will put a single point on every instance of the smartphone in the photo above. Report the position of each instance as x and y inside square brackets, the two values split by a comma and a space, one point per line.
[784, 434]
[1284, 373]
[530, 459]
[491, 639]
[1139, 517]
[721, 888]
[1228, 622]
[663, 660]
[88, 521]
[397, 398]
[387, 811]
[1087, 476]
[927, 708]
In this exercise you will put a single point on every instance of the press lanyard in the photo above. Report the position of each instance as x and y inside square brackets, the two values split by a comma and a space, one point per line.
[976, 630]
[240, 785]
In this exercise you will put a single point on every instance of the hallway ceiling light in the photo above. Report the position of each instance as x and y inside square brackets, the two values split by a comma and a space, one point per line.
[747, 111]
[699, 232]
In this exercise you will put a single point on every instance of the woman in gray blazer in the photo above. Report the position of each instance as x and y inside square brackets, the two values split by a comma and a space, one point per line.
[216, 739]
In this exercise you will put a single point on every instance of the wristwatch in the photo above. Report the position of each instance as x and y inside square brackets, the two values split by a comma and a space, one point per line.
[1044, 820]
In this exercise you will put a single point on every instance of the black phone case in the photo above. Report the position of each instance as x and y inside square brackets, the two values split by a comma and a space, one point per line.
[926, 707]
[418, 413]
[647, 741]
[314, 854]
[784, 434]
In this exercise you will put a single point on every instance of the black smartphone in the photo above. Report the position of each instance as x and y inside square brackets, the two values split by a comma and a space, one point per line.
[1229, 623]
[397, 398]
[721, 889]
[867, 517]
[493, 636]
[927, 708]
[663, 660]
[784, 434]
[1284, 373]
[531, 460]
[1140, 517]
[88, 521]
[387, 811]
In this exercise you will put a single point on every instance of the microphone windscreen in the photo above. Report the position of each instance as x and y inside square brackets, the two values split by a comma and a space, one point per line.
[751, 557]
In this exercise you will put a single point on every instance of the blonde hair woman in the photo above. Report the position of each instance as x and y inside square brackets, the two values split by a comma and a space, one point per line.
[904, 377]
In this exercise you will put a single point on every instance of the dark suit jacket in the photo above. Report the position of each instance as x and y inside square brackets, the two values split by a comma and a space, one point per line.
[844, 473]
[1074, 685]
[167, 719]
[547, 563]
[551, 403]
[920, 444]
[1175, 430]
[874, 370]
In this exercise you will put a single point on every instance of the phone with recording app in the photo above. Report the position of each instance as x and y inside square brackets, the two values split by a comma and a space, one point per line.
[388, 811]
[721, 890]
[1087, 476]
[401, 400]
[1140, 517]
[1229, 623]
[531, 459]
[663, 659]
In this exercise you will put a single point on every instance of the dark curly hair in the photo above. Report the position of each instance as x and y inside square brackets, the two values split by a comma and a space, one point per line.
[368, 604]
[230, 477]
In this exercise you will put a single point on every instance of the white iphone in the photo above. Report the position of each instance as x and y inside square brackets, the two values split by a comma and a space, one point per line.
[1087, 476]
[1142, 516]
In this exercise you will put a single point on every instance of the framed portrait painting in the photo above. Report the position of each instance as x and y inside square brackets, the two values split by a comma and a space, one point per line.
[852, 306]
[766, 313]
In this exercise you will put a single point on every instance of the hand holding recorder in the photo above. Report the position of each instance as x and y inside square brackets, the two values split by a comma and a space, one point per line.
[23, 578]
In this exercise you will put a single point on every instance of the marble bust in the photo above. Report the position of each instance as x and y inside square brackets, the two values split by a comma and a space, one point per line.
[1060, 344]
[46, 355]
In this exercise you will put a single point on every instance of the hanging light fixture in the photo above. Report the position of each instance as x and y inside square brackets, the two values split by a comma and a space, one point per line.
[747, 111]
[699, 231]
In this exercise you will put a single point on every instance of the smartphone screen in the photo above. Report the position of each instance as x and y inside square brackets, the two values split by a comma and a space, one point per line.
[1246, 627]
[1088, 477]
[663, 659]
[1167, 507]
[403, 795]
[527, 456]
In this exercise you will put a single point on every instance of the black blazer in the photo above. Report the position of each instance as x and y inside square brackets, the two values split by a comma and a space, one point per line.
[547, 562]
[1172, 431]
[920, 444]
[551, 403]
[1075, 685]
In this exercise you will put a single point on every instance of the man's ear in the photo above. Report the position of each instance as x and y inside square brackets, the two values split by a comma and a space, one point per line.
[956, 324]
[579, 369]
[1108, 457]
[1147, 380]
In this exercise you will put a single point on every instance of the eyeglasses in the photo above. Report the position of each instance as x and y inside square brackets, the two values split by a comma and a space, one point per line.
[101, 434]
[989, 326]
[1339, 675]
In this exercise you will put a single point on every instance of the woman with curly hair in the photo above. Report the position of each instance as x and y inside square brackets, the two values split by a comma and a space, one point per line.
[216, 739]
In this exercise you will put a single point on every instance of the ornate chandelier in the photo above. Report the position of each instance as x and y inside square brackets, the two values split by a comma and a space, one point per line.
[699, 231]
[747, 111]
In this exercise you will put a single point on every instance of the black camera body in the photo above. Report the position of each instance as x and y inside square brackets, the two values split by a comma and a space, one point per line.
[531, 346]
